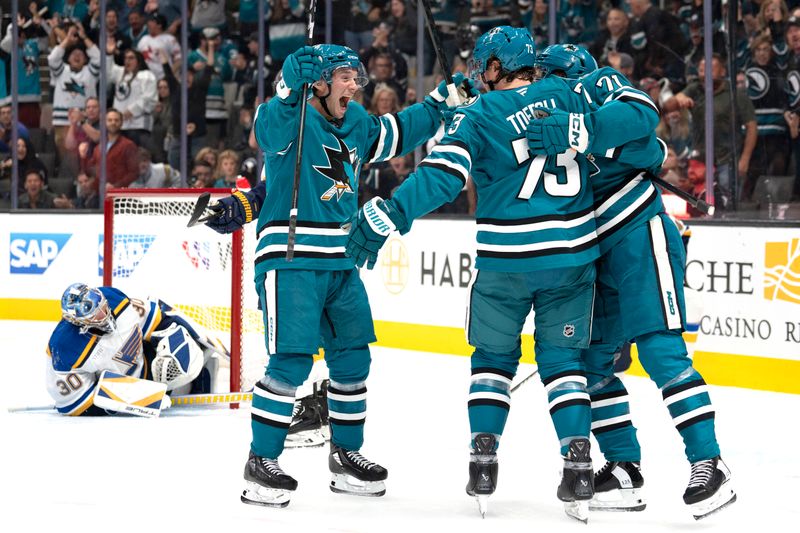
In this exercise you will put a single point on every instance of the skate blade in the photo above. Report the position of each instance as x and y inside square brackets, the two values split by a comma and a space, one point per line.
[483, 504]
[344, 484]
[618, 500]
[255, 494]
[722, 499]
[578, 510]
[311, 438]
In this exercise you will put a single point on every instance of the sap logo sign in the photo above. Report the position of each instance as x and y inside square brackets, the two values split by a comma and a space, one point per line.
[33, 253]
[129, 250]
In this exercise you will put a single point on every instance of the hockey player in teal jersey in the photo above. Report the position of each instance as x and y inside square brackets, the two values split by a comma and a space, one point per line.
[536, 247]
[318, 298]
[639, 284]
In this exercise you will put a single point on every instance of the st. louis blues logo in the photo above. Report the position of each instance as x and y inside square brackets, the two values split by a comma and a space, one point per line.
[341, 169]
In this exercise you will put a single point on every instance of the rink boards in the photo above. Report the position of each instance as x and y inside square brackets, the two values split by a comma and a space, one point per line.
[748, 279]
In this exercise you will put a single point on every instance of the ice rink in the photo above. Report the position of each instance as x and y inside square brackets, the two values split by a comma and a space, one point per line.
[183, 471]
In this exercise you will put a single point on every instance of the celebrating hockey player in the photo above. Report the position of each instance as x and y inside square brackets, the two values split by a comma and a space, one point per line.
[111, 353]
[536, 245]
[640, 293]
[318, 295]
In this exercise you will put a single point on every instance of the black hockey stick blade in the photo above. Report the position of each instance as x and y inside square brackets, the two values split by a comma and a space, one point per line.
[199, 210]
[697, 203]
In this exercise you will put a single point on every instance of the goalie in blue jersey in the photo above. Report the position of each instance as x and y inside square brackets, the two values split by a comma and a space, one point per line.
[318, 298]
[143, 343]
[640, 278]
[536, 247]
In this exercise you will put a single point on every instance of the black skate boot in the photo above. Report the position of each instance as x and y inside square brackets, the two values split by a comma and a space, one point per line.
[577, 480]
[309, 427]
[353, 474]
[710, 488]
[483, 469]
[618, 487]
[266, 483]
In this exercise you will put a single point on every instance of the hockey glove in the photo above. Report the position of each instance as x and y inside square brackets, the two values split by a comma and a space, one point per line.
[559, 132]
[370, 228]
[234, 212]
[443, 99]
[301, 67]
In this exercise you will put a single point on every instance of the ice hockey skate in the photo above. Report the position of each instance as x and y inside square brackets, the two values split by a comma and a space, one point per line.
[618, 487]
[309, 427]
[353, 474]
[266, 483]
[710, 488]
[577, 480]
[483, 470]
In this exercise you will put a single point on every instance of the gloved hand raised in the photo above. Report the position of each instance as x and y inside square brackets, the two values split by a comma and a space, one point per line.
[444, 101]
[234, 212]
[301, 67]
[558, 132]
[370, 228]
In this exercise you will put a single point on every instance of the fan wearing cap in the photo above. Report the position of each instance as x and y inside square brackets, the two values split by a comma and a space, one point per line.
[102, 329]
[317, 299]
[158, 39]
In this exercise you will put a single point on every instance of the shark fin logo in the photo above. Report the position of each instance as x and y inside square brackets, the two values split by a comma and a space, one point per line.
[782, 271]
[341, 170]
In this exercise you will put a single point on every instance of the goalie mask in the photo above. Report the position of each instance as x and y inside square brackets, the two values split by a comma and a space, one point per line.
[86, 307]
[568, 60]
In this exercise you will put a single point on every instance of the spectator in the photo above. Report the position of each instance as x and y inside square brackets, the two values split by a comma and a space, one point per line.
[122, 42]
[70, 9]
[196, 88]
[227, 169]
[157, 39]
[624, 63]
[248, 17]
[578, 21]
[240, 134]
[364, 16]
[287, 28]
[84, 127]
[403, 27]
[693, 97]
[73, 84]
[538, 26]
[209, 155]
[793, 90]
[162, 121]
[384, 100]
[381, 71]
[202, 175]
[793, 122]
[170, 9]
[26, 162]
[122, 166]
[207, 13]
[134, 95]
[766, 90]
[658, 40]
[614, 38]
[137, 29]
[35, 196]
[87, 196]
[675, 129]
[29, 93]
[209, 53]
[5, 129]
[155, 175]
[697, 48]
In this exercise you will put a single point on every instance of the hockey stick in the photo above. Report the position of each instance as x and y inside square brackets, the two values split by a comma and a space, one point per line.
[697, 203]
[518, 385]
[437, 48]
[290, 238]
[199, 208]
[185, 400]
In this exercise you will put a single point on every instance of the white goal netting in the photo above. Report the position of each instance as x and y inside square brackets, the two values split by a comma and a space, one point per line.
[194, 269]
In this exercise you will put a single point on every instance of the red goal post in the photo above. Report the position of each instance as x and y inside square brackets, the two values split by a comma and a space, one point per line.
[149, 252]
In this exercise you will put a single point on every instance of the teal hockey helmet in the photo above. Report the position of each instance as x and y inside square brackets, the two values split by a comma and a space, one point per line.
[514, 48]
[571, 59]
[335, 56]
[86, 307]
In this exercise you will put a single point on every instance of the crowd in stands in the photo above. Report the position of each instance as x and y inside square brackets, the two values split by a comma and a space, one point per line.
[657, 45]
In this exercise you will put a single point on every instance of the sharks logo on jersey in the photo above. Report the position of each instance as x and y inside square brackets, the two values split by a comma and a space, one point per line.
[343, 164]
[73, 86]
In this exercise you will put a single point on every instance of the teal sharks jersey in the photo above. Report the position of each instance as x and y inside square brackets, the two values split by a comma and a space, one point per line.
[533, 213]
[331, 164]
[624, 145]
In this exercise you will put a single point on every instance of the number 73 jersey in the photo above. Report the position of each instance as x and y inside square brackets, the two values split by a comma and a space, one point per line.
[533, 213]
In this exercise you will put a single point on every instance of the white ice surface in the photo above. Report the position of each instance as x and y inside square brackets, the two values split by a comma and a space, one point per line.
[183, 472]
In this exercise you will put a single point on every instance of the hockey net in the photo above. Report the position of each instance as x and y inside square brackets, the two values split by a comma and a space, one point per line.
[148, 252]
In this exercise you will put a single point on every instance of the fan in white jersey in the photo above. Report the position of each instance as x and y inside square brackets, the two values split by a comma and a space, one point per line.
[102, 329]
